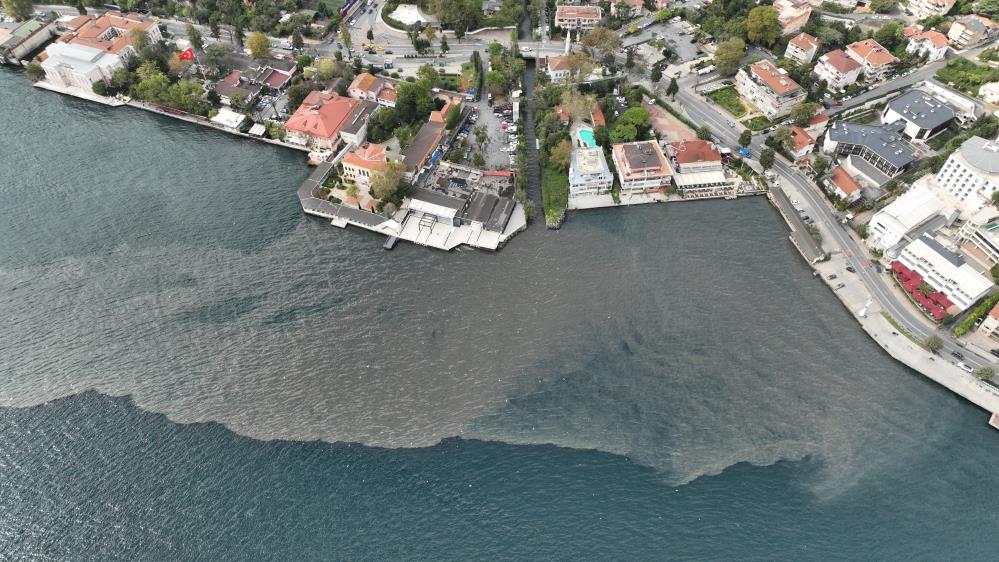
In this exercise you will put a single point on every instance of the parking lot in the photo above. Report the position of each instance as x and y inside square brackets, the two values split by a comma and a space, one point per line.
[496, 150]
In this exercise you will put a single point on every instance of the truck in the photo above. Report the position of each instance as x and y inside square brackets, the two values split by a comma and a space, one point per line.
[706, 70]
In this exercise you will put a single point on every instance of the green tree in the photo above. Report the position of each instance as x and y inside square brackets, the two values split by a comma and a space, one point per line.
[933, 343]
[140, 40]
[883, 6]
[259, 45]
[603, 39]
[767, 158]
[297, 42]
[345, 37]
[194, 37]
[673, 88]
[370, 35]
[444, 46]
[704, 132]
[19, 9]
[495, 82]
[623, 132]
[984, 373]
[404, 135]
[762, 26]
[214, 28]
[745, 137]
[238, 33]
[100, 88]
[561, 155]
[352, 190]
[385, 182]
[802, 113]
[35, 71]
[478, 160]
[80, 7]
[481, 134]
[326, 69]
[728, 54]
[656, 75]
[451, 119]
[820, 165]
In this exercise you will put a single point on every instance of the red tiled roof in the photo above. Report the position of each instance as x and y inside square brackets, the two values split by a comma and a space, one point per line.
[597, 116]
[801, 138]
[819, 118]
[93, 31]
[995, 311]
[936, 303]
[574, 12]
[805, 41]
[692, 151]
[871, 51]
[321, 115]
[841, 61]
[369, 157]
[776, 79]
[844, 181]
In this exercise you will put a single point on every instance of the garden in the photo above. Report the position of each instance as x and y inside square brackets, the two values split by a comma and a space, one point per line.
[729, 100]
[966, 75]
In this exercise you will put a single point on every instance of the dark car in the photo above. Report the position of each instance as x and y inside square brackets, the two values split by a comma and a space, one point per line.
[957, 355]
[850, 269]
[995, 352]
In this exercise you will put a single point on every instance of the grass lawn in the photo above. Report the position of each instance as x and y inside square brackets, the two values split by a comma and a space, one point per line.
[448, 82]
[757, 123]
[966, 75]
[730, 101]
[554, 193]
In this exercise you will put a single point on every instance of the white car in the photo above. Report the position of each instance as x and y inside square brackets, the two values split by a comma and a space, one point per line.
[965, 367]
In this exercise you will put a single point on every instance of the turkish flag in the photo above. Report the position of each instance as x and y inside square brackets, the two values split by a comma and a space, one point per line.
[186, 54]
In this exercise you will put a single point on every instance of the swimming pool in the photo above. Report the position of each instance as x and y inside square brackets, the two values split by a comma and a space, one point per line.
[586, 137]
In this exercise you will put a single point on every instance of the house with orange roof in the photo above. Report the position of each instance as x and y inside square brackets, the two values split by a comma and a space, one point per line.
[359, 165]
[769, 88]
[93, 48]
[802, 143]
[817, 124]
[698, 169]
[842, 184]
[557, 68]
[932, 44]
[365, 86]
[802, 48]
[838, 69]
[326, 118]
[875, 59]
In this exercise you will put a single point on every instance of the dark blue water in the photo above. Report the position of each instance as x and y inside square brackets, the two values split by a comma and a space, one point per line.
[184, 357]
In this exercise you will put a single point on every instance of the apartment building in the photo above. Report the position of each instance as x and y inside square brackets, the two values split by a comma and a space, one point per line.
[769, 88]
[927, 8]
[838, 70]
[589, 173]
[876, 60]
[577, 17]
[971, 174]
[972, 31]
[932, 44]
[641, 166]
[802, 48]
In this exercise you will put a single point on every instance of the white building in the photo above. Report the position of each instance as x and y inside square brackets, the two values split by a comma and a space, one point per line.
[588, 172]
[769, 88]
[837, 69]
[923, 9]
[945, 271]
[905, 214]
[876, 60]
[557, 68]
[641, 166]
[802, 48]
[932, 44]
[69, 65]
[699, 171]
[792, 15]
[924, 115]
[577, 17]
[971, 174]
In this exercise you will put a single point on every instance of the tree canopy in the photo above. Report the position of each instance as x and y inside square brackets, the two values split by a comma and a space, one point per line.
[728, 54]
[762, 26]
[259, 45]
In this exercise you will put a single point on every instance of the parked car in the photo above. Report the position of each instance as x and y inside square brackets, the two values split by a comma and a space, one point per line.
[851, 269]
[957, 355]
[965, 367]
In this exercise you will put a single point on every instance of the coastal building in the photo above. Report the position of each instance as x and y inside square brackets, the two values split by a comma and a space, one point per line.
[572, 18]
[872, 153]
[641, 166]
[971, 174]
[698, 168]
[907, 214]
[876, 60]
[990, 325]
[93, 48]
[971, 31]
[359, 165]
[792, 15]
[589, 173]
[273, 73]
[944, 271]
[924, 115]
[234, 85]
[841, 184]
[19, 42]
[422, 150]
[838, 70]
[923, 9]
[932, 44]
[321, 117]
[802, 48]
[769, 88]
[802, 143]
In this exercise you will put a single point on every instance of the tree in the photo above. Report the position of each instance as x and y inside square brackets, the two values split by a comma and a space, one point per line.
[561, 155]
[704, 132]
[297, 94]
[820, 164]
[802, 113]
[427, 75]
[623, 132]
[326, 69]
[385, 182]
[984, 373]
[238, 34]
[260, 46]
[495, 82]
[762, 25]
[745, 137]
[80, 7]
[194, 38]
[767, 158]
[728, 54]
[451, 119]
[404, 135]
[140, 40]
[603, 39]
[276, 131]
[478, 160]
[35, 72]
[444, 46]
[481, 134]
[370, 35]
[297, 42]
[214, 28]
[673, 88]
[100, 88]
[352, 190]
[345, 38]
[19, 9]
[656, 75]
[883, 6]
[933, 343]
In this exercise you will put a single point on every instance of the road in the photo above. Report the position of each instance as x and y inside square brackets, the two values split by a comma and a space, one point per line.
[837, 238]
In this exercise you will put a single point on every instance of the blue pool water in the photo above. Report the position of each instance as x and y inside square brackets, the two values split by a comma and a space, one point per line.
[586, 137]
